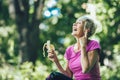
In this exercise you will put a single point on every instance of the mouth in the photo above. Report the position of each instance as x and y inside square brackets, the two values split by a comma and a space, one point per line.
[74, 29]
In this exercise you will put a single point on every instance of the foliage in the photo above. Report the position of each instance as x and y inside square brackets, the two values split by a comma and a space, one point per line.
[8, 48]
[58, 30]
[26, 71]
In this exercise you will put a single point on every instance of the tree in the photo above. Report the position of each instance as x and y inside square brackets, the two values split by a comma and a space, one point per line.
[26, 14]
[28, 27]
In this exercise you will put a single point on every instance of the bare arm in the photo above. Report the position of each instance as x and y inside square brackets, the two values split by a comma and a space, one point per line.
[52, 56]
[88, 60]
[67, 71]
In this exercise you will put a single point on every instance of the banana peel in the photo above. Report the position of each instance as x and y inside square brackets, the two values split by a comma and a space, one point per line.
[48, 46]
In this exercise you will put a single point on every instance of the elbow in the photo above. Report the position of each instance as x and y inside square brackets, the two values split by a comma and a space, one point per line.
[68, 74]
[85, 70]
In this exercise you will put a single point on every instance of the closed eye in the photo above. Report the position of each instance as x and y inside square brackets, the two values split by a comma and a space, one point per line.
[79, 22]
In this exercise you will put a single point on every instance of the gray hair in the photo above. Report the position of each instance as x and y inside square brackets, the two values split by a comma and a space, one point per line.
[88, 24]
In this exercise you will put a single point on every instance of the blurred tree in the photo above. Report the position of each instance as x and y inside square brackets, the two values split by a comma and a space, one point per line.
[27, 14]
[28, 27]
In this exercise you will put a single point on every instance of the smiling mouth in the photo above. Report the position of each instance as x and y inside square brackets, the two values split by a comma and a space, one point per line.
[74, 29]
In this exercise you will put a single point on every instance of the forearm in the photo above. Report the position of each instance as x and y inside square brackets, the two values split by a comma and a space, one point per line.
[52, 56]
[84, 60]
[60, 68]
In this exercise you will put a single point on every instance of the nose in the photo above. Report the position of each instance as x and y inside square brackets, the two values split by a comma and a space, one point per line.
[74, 24]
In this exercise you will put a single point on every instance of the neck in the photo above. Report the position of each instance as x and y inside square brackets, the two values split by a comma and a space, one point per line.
[77, 44]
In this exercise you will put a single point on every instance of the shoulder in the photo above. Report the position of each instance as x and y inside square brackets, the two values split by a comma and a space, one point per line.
[68, 52]
[69, 48]
[93, 44]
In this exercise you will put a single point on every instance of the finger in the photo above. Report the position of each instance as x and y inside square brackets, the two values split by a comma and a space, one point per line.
[50, 51]
[50, 55]
[86, 33]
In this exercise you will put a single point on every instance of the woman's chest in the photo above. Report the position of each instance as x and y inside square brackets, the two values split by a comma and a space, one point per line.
[75, 63]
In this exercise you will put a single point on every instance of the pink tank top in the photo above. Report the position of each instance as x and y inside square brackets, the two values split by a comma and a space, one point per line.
[75, 64]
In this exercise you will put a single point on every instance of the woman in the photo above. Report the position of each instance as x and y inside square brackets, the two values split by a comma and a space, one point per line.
[83, 56]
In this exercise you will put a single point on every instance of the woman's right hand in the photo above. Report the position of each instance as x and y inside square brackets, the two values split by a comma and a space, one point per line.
[52, 55]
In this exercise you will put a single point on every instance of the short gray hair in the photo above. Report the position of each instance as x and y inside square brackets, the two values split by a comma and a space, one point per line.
[88, 23]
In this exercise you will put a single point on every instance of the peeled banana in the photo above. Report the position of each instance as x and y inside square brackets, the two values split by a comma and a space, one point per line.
[48, 46]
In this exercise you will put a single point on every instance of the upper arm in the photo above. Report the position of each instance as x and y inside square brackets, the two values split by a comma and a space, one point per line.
[93, 57]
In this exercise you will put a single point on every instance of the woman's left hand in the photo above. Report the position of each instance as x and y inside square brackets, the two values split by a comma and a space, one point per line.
[83, 40]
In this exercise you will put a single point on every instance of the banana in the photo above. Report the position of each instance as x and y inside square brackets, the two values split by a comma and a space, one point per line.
[52, 47]
[48, 46]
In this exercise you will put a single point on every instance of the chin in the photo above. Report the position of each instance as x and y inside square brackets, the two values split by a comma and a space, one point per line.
[73, 34]
[76, 35]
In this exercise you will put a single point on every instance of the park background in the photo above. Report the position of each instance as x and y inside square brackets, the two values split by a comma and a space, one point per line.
[25, 25]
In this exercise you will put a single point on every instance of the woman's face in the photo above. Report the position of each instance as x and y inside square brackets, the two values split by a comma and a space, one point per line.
[77, 29]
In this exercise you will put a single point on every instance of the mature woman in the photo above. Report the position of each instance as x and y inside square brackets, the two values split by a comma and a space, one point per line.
[82, 57]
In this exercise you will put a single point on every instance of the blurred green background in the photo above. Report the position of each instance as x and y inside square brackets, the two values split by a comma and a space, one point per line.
[25, 25]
